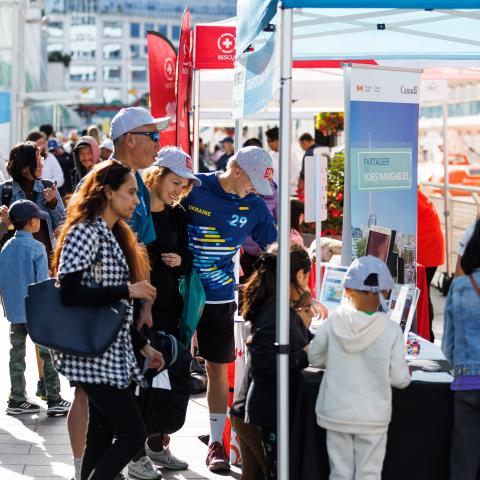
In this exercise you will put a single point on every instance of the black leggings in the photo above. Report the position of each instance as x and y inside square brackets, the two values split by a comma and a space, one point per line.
[269, 440]
[115, 431]
[430, 272]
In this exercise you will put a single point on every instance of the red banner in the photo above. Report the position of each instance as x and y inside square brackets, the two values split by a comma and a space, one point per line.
[162, 64]
[214, 46]
[184, 72]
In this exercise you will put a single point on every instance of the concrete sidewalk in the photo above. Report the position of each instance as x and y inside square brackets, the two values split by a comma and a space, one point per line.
[37, 447]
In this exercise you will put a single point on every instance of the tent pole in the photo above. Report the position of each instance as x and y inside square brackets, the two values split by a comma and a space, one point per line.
[446, 212]
[196, 119]
[283, 261]
[236, 259]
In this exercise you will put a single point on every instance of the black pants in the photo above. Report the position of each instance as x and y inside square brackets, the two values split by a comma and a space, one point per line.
[430, 272]
[465, 450]
[115, 431]
[269, 440]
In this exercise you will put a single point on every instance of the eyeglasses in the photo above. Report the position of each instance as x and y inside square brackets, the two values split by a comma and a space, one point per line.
[154, 136]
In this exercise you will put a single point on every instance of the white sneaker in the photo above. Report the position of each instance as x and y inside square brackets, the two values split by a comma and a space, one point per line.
[166, 459]
[144, 469]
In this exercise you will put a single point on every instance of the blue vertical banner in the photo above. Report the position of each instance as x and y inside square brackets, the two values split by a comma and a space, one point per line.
[381, 151]
[5, 107]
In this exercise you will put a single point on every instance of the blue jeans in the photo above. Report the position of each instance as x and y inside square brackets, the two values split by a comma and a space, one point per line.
[465, 449]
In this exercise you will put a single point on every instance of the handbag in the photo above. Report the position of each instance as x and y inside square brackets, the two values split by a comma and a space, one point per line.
[79, 331]
[193, 295]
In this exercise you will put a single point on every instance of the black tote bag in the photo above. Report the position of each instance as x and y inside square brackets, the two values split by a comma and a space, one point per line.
[79, 331]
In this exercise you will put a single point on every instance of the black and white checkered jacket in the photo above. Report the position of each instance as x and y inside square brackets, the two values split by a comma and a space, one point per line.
[80, 252]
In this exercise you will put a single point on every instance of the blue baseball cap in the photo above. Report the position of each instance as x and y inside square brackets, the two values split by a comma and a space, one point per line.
[53, 144]
[361, 268]
[25, 210]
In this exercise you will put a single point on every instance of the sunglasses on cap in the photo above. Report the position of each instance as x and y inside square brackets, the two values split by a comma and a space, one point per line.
[154, 136]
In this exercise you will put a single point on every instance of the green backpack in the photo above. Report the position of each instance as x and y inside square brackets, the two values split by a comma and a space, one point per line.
[193, 295]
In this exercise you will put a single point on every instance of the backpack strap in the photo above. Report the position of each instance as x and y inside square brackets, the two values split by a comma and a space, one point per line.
[474, 284]
[7, 193]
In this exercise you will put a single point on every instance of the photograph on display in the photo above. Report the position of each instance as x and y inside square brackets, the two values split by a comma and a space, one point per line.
[403, 304]
[332, 293]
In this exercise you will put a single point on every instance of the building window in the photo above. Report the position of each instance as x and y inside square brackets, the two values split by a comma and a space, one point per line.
[149, 26]
[111, 95]
[135, 51]
[139, 74]
[112, 73]
[54, 47]
[55, 29]
[83, 50]
[83, 20]
[112, 29]
[176, 32]
[83, 73]
[112, 51]
[163, 29]
[135, 30]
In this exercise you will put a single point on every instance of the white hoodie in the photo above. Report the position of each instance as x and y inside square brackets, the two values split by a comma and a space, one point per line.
[366, 356]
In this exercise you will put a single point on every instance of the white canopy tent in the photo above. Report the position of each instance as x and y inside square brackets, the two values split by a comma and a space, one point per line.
[427, 32]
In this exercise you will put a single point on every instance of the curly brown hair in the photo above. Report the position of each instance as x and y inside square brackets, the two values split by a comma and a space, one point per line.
[89, 201]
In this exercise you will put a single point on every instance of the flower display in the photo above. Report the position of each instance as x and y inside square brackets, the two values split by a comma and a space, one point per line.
[332, 226]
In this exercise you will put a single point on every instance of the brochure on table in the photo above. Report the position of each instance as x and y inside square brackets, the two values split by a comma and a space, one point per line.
[402, 306]
[332, 293]
[382, 109]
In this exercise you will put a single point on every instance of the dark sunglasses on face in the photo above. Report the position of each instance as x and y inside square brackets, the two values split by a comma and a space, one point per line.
[154, 136]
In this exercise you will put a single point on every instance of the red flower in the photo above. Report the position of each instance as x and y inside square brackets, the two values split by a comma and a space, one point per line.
[339, 196]
[336, 213]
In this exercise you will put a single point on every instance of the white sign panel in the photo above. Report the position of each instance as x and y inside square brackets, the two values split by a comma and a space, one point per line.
[316, 168]
[392, 86]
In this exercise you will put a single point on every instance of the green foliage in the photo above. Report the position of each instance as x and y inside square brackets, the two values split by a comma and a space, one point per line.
[59, 57]
[335, 178]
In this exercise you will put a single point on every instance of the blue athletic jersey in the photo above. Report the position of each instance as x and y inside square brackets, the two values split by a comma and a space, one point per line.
[218, 224]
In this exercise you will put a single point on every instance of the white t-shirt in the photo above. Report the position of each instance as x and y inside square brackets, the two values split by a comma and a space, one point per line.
[467, 235]
[52, 170]
[295, 167]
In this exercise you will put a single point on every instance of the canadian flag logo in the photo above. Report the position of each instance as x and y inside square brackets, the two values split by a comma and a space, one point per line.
[359, 88]
[268, 173]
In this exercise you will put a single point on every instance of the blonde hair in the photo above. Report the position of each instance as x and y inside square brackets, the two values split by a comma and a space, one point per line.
[152, 176]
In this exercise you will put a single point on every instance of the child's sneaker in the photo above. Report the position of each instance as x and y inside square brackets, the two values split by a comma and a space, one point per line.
[17, 408]
[41, 390]
[59, 407]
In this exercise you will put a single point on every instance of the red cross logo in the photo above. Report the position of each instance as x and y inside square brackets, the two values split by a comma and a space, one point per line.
[226, 43]
[169, 69]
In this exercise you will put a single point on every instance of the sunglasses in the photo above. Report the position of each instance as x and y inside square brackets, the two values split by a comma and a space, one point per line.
[154, 136]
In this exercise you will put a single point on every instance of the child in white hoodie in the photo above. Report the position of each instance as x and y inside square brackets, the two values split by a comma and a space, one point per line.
[366, 357]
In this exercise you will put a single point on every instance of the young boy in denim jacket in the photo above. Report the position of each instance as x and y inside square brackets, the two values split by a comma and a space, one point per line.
[23, 260]
[365, 354]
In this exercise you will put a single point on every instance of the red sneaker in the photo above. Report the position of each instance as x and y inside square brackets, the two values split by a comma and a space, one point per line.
[217, 460]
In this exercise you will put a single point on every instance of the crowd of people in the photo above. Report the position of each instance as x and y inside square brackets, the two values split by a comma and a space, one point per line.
[120, 219]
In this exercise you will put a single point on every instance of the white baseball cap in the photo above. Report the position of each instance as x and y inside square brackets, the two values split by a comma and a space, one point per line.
[179, 162]
[258, 165]
[107, 143]
[127, 119]
[361, 268]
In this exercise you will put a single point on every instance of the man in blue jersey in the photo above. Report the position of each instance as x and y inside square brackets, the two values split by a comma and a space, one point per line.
[222, 213]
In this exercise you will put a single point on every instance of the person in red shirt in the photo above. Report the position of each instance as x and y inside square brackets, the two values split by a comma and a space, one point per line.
[430, 245]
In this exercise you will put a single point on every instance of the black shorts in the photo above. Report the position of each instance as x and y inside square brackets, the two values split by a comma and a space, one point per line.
[215, 334]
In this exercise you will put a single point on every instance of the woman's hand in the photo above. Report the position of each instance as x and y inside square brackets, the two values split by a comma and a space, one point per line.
[143, 290]
[50, 196]
[4, 218]
[320, 310]
[154, 357]
[171, 259]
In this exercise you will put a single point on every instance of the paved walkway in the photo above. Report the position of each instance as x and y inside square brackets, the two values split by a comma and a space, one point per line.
[37, 447]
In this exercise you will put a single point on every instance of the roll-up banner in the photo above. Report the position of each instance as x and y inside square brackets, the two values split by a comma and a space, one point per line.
[184, 72]
[382, 108]
[162, 64]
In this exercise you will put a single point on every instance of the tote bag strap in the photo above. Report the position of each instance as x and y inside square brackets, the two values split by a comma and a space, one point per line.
[474, 284]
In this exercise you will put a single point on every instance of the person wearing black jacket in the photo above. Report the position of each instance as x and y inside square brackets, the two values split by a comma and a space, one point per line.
[98, 261]
[259, 307]
[169, 180]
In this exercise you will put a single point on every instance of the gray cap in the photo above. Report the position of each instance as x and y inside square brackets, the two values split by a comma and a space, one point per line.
[258, 165]
[107, 143]
[25, 210]
[179, 162]
[361, 268]
[127, 119]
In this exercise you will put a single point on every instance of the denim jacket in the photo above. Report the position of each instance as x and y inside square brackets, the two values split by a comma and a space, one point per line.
[55, 215]
[461, 336]
[23, 260]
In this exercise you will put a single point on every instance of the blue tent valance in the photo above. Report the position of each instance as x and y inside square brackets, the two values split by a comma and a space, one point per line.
[417, 4]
